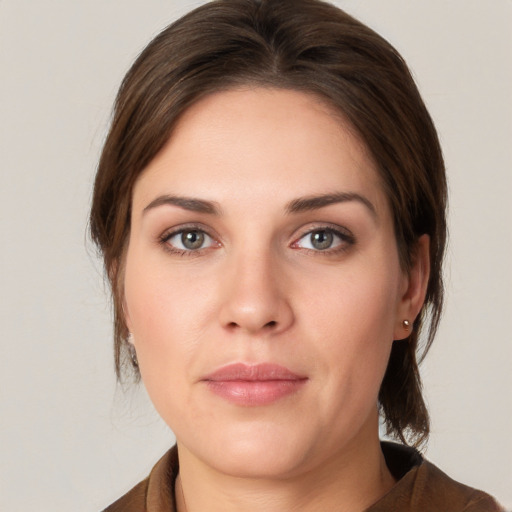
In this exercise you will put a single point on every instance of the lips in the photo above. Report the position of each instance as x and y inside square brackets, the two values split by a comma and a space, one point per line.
[253, 385]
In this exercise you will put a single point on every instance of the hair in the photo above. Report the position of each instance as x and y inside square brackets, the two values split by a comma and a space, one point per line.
[302, 45]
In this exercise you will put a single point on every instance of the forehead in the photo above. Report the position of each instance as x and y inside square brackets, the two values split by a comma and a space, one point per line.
[263, 143]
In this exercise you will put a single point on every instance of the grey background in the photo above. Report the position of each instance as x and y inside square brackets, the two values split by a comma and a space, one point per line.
[71, 439]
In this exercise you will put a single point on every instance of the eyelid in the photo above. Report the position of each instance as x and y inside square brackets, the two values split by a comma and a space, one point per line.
[346, 237]
[169, 233]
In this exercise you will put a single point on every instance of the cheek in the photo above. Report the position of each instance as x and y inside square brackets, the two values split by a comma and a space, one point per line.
[160, 315]
[353, 316]
[159, 296]
[171, 309]
[357, 302]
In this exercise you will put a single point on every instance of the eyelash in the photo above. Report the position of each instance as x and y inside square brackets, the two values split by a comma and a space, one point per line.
[165, 237]
[346, 240]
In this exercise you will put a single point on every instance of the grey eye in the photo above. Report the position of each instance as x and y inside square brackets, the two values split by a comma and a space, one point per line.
[192, 239]
[321, 240]
[189, 240]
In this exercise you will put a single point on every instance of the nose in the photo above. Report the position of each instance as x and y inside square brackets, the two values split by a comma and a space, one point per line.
[255, 296]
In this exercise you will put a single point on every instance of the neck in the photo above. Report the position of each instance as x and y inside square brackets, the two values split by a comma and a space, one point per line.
[349, 481]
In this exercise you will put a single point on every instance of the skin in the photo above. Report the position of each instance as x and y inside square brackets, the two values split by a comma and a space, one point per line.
[259, 290]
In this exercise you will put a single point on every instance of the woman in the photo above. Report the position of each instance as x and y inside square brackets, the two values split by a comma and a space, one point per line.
[270, 205]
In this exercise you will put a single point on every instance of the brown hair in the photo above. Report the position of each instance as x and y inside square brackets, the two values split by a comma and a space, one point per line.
[305, 45]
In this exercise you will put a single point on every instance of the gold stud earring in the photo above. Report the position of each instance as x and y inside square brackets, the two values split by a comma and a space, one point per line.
[406, 324]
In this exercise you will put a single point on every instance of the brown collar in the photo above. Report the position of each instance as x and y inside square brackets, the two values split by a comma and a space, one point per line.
[421, 487]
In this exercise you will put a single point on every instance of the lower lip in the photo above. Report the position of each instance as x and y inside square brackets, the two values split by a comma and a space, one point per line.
[254, 393]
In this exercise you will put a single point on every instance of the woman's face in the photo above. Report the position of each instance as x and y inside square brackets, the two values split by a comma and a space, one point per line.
[262, 283]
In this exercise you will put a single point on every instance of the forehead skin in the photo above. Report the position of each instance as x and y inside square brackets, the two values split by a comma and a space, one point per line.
[199, 146]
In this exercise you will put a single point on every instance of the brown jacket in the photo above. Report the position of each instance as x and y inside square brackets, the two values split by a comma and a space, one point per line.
[421, 487]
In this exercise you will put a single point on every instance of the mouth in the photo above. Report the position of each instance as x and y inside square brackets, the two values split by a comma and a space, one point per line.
[254, 385]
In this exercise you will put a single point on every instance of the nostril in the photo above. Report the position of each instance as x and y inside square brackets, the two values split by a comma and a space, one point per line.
[271, 324]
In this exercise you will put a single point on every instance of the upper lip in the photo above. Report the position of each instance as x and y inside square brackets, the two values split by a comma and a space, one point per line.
[252, 373]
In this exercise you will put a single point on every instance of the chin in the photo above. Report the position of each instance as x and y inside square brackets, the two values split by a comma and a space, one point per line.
[255, 451]
[254, 462]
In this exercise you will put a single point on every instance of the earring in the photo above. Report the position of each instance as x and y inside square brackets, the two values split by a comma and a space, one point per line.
[131, 350]
[406, 324]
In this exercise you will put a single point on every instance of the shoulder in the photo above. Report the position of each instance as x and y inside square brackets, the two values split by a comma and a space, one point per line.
[156, 492]
[434, 485]
[421, 486]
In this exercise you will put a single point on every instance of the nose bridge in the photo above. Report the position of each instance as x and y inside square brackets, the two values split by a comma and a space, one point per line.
[255, 296]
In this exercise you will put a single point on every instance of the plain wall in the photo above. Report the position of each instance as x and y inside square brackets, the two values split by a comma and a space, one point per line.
[71, 439]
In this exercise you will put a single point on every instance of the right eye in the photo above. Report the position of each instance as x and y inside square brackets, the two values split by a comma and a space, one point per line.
[188, 240]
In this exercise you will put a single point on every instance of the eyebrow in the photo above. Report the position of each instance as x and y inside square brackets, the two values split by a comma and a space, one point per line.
[187, 203]
[309, 203]
[302, 204]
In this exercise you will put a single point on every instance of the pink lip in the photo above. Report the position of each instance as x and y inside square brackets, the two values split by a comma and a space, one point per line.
[252, 385]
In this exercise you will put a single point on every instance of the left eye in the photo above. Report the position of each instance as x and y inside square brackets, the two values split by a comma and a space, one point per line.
[189, 240]
[320, 240]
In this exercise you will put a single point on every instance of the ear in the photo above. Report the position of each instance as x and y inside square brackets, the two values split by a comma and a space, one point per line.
[414, 288]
